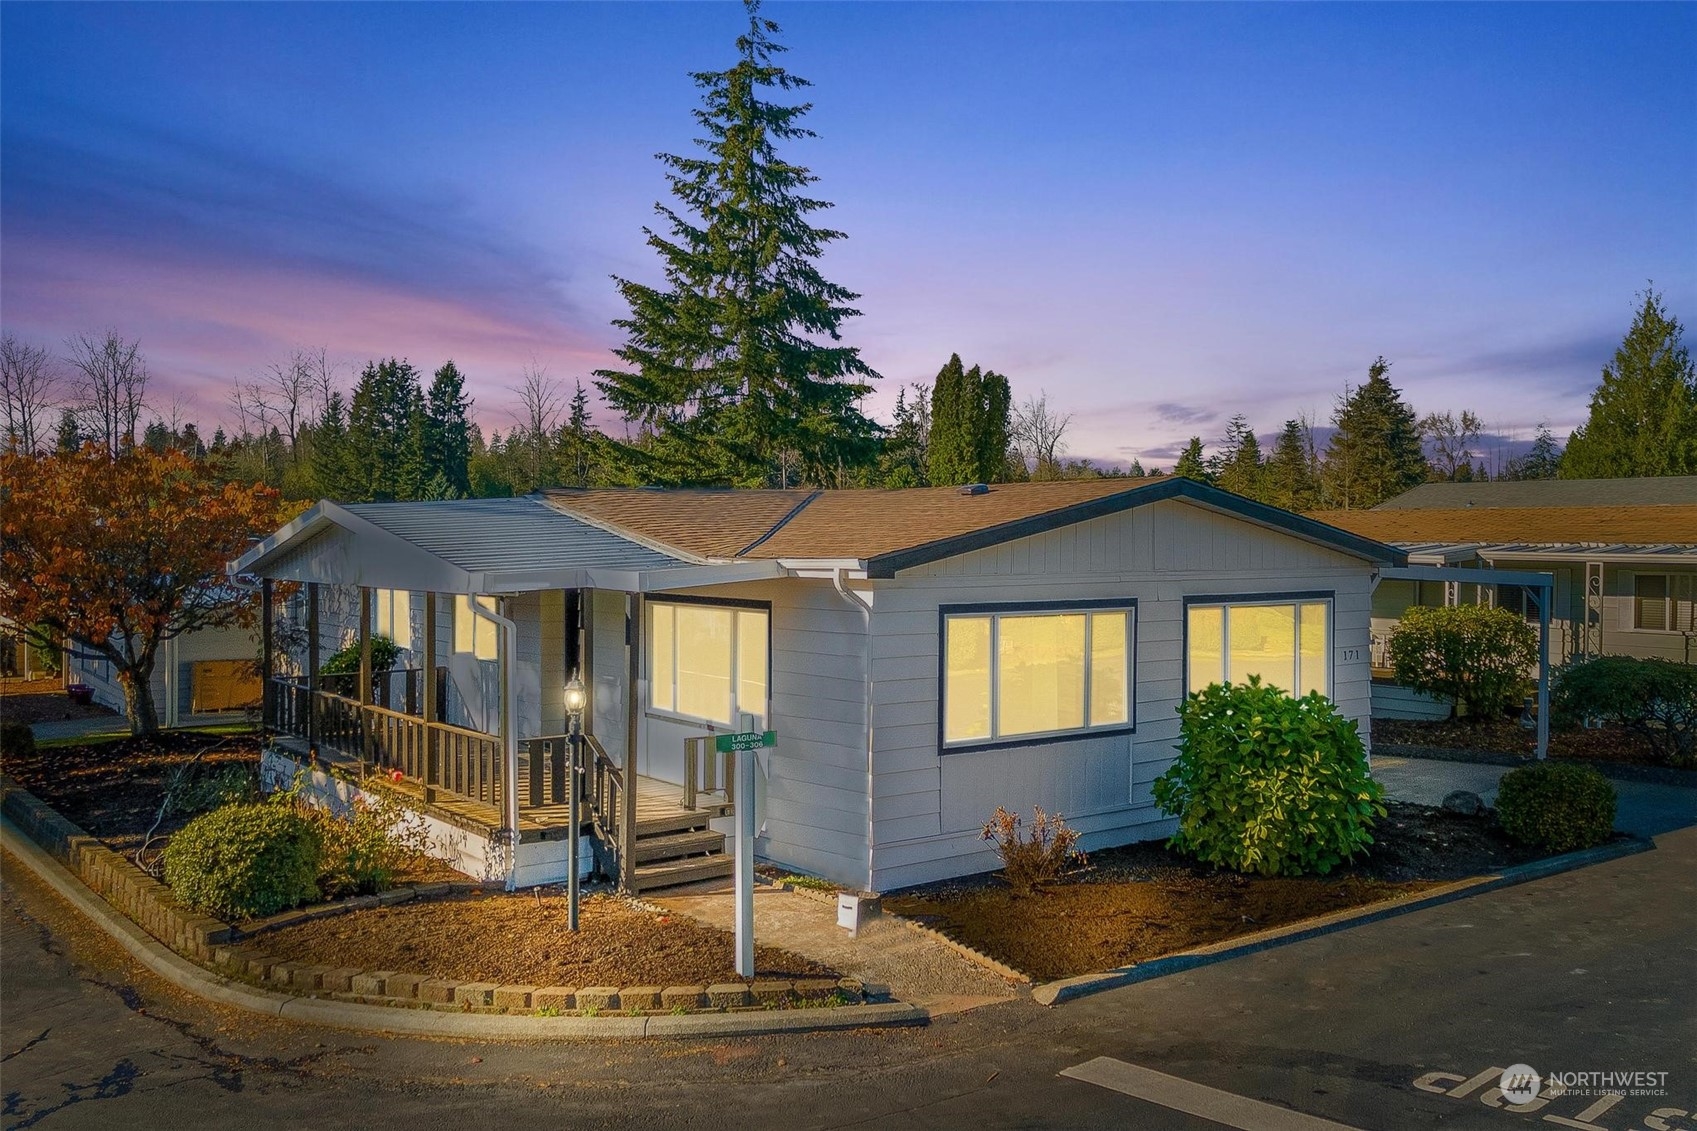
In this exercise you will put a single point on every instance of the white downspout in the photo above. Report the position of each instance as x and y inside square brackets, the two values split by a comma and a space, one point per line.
[853, 598]
[509, 739]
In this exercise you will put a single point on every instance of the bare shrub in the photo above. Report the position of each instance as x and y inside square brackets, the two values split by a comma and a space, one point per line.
[1034, 857]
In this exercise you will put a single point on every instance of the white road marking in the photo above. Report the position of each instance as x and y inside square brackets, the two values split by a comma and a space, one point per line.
[1196, 1099]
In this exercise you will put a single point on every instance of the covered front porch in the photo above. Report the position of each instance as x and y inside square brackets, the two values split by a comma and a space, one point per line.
[469, 719]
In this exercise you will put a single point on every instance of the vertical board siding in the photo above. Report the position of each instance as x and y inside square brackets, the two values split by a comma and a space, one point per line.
[929, 807]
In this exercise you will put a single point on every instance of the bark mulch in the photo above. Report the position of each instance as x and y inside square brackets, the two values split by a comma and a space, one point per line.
[1139, 902]
[113, 788]
[521, 939]
[1504, 736]
[42, 701]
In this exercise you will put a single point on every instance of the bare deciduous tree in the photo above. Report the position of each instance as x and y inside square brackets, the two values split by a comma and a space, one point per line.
[111, 387]
[1037, 432]
[29, 388]
[541, 401]
[1452, 440]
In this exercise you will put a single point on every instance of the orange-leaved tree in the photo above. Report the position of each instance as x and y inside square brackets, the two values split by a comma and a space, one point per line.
[118, 554]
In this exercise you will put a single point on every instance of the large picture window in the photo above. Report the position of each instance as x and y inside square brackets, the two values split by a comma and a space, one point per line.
[391, 615]
[1285, 642]
[707, 662]
[1044, 672]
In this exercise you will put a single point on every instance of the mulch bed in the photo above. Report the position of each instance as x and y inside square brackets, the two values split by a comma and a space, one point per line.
[42, 701]
[113, 788]
[1139, 902]
[1504, 736]
[521, 939]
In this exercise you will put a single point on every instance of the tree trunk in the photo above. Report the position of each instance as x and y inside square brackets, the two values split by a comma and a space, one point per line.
[138, 700]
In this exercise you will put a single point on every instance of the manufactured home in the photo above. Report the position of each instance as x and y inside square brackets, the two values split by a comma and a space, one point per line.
[919, 656]
[1621, 555]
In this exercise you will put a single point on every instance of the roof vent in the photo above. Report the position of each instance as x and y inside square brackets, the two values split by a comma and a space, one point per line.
[975, 489]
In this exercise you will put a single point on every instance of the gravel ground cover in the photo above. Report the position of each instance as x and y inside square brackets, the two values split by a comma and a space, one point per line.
[42, 701]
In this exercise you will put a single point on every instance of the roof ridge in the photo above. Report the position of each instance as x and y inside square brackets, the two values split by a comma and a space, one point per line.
[561, 507]
[781, 523]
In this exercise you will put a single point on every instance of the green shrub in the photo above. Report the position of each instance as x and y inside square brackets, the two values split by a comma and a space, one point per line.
[345, 660]
[245, 861]
[1033, 858]
[1656, 699]
[1481, 657]
[1266, 783]
[365, 847]
[17, 739]
[1557, 806]
[204, 788]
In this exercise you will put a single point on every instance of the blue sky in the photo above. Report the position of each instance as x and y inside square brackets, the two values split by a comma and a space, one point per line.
[1158, 214]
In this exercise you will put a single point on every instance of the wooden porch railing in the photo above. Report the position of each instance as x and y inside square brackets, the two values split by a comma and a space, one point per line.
[465, 762]
[706, 770]
[610, 808]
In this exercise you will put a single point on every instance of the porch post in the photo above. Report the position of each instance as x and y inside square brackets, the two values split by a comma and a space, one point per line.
[312, 666]
[633, 695]
[1545, 598]
[267, 710]
[509, 739]
[431, 707]
[365, 735]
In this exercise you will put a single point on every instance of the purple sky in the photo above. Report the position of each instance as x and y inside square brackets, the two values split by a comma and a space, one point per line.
[1160, 215]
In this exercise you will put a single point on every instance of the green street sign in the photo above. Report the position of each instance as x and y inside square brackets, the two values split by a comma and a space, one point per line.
[747, 740]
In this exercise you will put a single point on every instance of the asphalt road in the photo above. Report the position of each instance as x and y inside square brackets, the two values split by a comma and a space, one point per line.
[1591, 970]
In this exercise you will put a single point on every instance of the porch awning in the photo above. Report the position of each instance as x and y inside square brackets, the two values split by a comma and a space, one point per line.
[467, 546]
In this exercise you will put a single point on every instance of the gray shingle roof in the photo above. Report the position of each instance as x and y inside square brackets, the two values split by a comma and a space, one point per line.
[510, 534]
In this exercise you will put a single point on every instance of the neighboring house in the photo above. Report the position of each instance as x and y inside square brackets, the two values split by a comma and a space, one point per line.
[1622, 554]
[198, 673]
[923, 656]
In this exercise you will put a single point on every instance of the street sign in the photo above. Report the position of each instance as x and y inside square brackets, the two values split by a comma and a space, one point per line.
[746, 740]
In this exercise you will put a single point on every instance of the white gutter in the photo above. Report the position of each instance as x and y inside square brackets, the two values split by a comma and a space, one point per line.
[860, 603]
[509, 737]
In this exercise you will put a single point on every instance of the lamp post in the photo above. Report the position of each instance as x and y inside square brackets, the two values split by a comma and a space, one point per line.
[577, 698]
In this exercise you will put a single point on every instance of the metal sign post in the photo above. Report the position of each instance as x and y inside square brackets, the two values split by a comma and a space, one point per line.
[743, 745]
[745, 863]
[574, 823]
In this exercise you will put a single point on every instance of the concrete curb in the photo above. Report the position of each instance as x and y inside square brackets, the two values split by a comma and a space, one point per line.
[1067, 989]
[187, 976]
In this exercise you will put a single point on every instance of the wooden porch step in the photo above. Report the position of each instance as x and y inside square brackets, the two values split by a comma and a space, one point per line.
[683, 820]
[670, 846]
[670, 873]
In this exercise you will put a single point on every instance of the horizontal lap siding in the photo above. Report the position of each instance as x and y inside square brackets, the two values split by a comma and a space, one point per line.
[813, 806]
[929, 807]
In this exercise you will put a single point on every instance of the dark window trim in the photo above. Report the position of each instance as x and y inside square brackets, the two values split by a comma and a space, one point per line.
[1082, 605]
[693, 599]
[1263, 599]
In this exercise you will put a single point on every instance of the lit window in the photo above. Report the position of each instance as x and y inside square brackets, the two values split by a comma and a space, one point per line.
[475, 635]
[707, 662]
[1012, 675]
[1286, 643]
[391, 615]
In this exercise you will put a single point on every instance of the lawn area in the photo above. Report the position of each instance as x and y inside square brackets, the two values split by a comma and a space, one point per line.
[1142, 901]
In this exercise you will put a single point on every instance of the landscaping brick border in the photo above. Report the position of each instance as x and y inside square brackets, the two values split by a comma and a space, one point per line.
[235, 953]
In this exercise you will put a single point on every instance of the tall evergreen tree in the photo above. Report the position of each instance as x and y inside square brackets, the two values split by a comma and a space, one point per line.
[902, 461]
[332, 473]
[578, 441]
[1289, 480]
[1375, 453]
[992, 439]
[952, 456]
[384, 433]
[68, 437]
[1191, 464]
[1239, 462]
[1644, 413]
[735, 359]
[447, 431]
[1541, 461]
